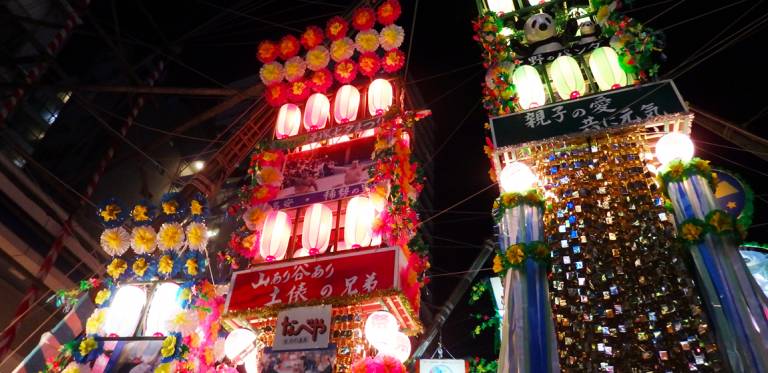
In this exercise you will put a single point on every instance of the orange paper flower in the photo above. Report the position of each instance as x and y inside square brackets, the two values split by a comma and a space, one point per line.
[320, 81]
[267, 51]
[345, 71]
[369, 64]
[312, 37]
[298, 91]
[363, 18]
[336, 28]
[388, 12]
[289, 47]
[276, 94]
[393, 60]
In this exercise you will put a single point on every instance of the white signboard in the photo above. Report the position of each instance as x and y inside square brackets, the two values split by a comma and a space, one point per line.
[303, 328]
[441, 366]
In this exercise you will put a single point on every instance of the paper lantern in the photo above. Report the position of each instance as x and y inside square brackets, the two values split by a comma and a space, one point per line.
[316, 112]
[163, 307]
[346, 104]
[316, 231]
[537, 2]
[567, 78]
[379, 96]
[516, 177]
[125, 311]
[288, 121]
[275, 235]
[379, 327]
[240, 348]
[530, 90]
[397, 345]
[604, 64]
[358, 223]
[672, 146]
[501, 6]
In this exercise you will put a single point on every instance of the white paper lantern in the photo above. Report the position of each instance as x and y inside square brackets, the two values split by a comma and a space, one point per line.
[288, 121]
[316, 231]
[164, 305]
[530, 89]
[672, 146]
[397, 345]
[516, 177]
[501, 6]
[346, 104]
[316, 112]
[125, 311]
[239, 347]
[275, 235]
[379, 327]
[604, 64]
[358, 223]
[567, 78]
[379, 96]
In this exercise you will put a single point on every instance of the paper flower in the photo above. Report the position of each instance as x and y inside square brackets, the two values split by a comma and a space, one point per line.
[289, 47]
[96, 321]
[116, 268]
[298, 91]
[276, 94]
[164, 368]
[170, 237]
[264, 193]
[88, 349]
[393, 60]
[295, 68]
[192, 263]
[143, 239]
[74, 367]
[515, 254]
[254, 216]
[497, 264]
[270, 176]
[320, 81]
[318, 58]
[345, 71]
[143, 213]
[267, 51]
[720, 221]
[115, 241]
[184, 322]
[336, 28]
[171, 348]
[165, 265]
[391, 37]
[312, 37]
[363, 18]
[388, 12]
[198, 207]
[171, 206]
[369, 64]
[140, 267]
[111, 213]
[271, 73]
[342, 49]
[197, 236]
[102, 297]
[367, 41]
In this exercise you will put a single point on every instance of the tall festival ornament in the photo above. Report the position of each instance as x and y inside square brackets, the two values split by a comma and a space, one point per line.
[380, 96]
[346, 104]
[358, 223]
[275, 235]
[316, 231]
[288, 121]
[316, 112]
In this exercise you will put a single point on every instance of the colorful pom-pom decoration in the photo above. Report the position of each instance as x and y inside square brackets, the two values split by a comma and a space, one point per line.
[318, 58]
[367, 41]
[336, 28]
[393, 61]
[345, 71]
[312, 37]
[320, 81]
[363, 18]
[295, 68]
[271, 73]
[267, 51]
[368, 64]
[115, 241]
[391, 37]
[388, 12]
[298, 91]
[289, 47]
[342, 49]
[276, 94]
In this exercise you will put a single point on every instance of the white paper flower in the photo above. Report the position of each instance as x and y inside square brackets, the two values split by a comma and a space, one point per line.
[391, 37]
[184, 322]
[254, 216]
[115, 241]
[143, 239]
[170, 237]
[197, 236]
[295, 68]
[271, 73]
[342, 49]
[367, 41]
[318, 58]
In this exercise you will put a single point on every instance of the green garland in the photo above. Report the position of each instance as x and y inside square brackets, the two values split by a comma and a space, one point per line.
[511, 200]
[677, 171]
[480, 365]
[717, 222]
[516, 254]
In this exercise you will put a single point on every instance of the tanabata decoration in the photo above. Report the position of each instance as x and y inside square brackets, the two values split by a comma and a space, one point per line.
[115, 241]
[276, 94]
[320, 80]
[298, 91]
[172, 208]
[294, 69]
[391, 37]
[111, 213]
[312, 37]
[393, 60]
[271, 73]
[336, 28]
[267, 51]
[369, 64]
[143, 213]
[198, 208]
[318, 58]
[289, 47]
[143, 239]
[170, 237]
[363, 18]
[345, 71]
[367, 41]
[342, 49]
[388, 12]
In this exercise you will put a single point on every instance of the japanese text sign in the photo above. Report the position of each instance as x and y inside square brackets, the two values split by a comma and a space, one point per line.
[350, 273]
[614, 108]
[331, 132]
[303, 328]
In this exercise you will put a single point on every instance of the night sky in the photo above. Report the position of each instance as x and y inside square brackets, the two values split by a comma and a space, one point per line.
[730, 84]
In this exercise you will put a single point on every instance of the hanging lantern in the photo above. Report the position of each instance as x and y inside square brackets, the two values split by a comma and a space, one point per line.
[396, 345]
[316, 112]
[501, 6]
[567, 78]
[604, 63]
[125, 311]
[275, 235]
[346, 103]
[530, 90]
[358, 223]
[379, 327]
[316, 231]
[288, 121]
[379, 96]
[537, 2]
[240, 348]
[163, 307]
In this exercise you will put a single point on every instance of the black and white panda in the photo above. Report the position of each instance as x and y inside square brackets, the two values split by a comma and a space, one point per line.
[541, 33]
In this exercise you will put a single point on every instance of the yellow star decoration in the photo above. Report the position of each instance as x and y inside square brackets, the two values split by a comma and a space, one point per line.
[731, 205]
[110, 212]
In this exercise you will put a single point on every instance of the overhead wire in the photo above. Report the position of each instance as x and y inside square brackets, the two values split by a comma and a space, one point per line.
[410, 38]
[455, 130]
[665, 11]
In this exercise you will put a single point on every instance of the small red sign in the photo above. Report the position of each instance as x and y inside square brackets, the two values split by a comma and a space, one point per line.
[345, 274]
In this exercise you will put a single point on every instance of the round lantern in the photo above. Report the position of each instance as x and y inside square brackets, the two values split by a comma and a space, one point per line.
[537, 2]
[672, 146]
[530, 90]
[379, 96]
[125, 311]
[516, 177]
[316, 112]
[604, 64]
[397, 345]
[379, 327]
[275, 235]
[346, 103]
[358, 223]
[316, 231]
[239, 348]
[566, 77]
[163, 307]
[501, 6]
[288, 121]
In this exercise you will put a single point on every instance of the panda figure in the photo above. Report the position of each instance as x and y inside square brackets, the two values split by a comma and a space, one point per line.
[588, 31]
[540, 33]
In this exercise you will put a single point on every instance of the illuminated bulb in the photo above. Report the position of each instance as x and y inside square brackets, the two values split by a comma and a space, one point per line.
[506, 31]
[212, 232]
[198, 165]
[241, 341]
[674, 145]
[516, 177]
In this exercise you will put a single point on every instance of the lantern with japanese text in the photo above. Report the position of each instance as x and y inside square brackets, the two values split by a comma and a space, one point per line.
[316, 232]
[530, 90]
[163, 307]
[275, 235]
[316, 112]
[604, 64]
[288, 121]
[346, 104]
[379, 96]
[567, 78]
[125, 311]
[358, 223]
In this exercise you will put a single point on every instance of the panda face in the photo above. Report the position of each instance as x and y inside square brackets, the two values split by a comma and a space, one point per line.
[539, 27]
[587, 28]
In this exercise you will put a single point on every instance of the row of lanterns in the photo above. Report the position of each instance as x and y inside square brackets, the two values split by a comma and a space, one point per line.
[567, 78]
[345, 108]
[316, 230]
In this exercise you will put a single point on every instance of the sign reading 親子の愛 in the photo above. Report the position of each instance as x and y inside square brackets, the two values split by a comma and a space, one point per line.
[614, 108]
[303, 328]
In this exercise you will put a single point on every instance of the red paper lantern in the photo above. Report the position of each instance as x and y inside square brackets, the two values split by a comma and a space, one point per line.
[275, 235]
[363, 18]
[379, 96]
[358, 223]
[320, 80]
[312, 37]
[388, 12]
[346, 104]
[345, 71]
[316, 231]
[298, 91]
[267, 51]
[369, 64]
[289, 47]
[276, 94]
[288, 121]
[336, 28]
[316, 112]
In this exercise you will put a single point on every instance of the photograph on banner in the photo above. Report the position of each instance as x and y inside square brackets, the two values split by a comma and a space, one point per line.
[329, 167]
[309, 361]
[135, 357]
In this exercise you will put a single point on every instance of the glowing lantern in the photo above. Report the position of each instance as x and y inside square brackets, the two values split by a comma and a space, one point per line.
[163, 306]
[239, 348]
[537, 2]
[530, 90]
[379, 327]
[358, 224]
[567, 78]
[125, 311]
[379, 96]
[288, 121]
[516, 177]
[316, 112]
[316, 231]
[501, 6]
[396, 345]
[604, 63]
[672, 146]
[275, 235]
[346, 104]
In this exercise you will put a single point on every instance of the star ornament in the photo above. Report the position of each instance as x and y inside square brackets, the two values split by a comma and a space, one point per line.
[731, 205]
